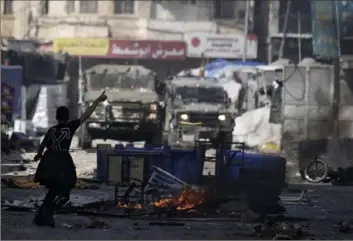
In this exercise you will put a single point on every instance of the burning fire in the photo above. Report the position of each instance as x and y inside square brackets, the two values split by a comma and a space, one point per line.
[187, 199]
[130, 205]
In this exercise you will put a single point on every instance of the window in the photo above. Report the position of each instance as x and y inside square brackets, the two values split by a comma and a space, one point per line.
[88, 6]
[224, 9]
[44, 8]
[124, 6]
[8, 6]
[70, 6]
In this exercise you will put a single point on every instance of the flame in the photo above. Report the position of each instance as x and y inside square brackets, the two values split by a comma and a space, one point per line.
[130, 205]
[187, 199]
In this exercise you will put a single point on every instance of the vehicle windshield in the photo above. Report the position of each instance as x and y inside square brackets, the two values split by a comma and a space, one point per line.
[122, 81]
[200, 94]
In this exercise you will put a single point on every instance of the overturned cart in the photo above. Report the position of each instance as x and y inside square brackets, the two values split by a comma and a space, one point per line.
[151, 173]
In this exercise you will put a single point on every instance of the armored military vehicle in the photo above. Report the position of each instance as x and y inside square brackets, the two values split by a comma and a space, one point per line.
[132, 111]
[197, 109]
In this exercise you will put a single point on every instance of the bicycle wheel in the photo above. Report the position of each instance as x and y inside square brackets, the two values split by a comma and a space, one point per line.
[316, 171]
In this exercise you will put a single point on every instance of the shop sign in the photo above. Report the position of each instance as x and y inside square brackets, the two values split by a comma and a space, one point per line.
[95, 47]
[147, 49]
[212, 45]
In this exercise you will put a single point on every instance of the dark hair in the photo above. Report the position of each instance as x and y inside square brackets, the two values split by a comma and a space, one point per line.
[62, 113]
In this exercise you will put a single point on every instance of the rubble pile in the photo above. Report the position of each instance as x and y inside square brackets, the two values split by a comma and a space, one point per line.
[26, 182]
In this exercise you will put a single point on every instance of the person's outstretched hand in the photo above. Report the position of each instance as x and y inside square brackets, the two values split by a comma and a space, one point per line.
[37, 157]
[102, 97]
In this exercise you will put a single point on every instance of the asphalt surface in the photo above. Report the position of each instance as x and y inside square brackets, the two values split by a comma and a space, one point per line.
[330, 205]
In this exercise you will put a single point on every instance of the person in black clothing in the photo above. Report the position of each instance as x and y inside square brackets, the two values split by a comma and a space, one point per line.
[56, 170]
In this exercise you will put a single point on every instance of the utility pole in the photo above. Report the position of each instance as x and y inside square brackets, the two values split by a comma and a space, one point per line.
[337, 77]
[246, 30]
[80, 73]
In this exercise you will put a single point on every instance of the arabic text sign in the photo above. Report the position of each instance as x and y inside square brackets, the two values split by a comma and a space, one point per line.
[126, 49]
[324, 29]
[82, 46]
[213, 45]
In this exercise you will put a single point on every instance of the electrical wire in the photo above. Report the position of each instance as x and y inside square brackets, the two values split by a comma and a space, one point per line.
[281, 82]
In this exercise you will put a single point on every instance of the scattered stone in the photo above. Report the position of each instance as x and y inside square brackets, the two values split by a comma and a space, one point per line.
[343, 227]
[282, 237]
[96, 224]
[250, 216]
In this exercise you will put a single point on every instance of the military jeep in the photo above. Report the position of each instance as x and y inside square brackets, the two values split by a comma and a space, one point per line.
[132, 111]
[197, 109]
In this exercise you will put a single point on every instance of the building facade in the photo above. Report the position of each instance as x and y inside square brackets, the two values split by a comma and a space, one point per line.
[210, 28]
[289, 32]
[125, 19]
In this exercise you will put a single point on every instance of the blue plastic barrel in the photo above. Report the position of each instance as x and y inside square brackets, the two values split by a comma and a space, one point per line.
[230, 163]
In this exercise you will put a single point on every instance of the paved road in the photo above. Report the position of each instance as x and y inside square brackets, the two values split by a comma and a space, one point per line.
[331, 205]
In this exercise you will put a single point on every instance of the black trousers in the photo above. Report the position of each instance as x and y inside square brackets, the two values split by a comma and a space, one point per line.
[57, 196]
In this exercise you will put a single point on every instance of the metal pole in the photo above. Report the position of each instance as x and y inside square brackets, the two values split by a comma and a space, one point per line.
[246, 30]
[80, 79]
[23, 102]
[281, 50]
[80, 74]
[337, 77]
[299, 38]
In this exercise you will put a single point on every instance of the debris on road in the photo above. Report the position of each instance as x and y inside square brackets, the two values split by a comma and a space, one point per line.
[139, 226]
[344, 227]
[26, 182]
[75, 201]
[281, 231]
[172, 224]
[96, 223]
[282, 237]
[93, 223]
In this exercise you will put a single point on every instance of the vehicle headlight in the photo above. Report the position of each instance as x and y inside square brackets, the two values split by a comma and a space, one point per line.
[222, 117]
[152, 116]
[153, 107]
[184, 117]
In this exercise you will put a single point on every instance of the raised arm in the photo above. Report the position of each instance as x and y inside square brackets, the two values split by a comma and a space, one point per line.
[88, 112]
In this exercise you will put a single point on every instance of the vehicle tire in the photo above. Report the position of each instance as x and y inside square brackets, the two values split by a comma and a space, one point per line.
[157, 139]
[84, 141]
[154, 139]
[226, 137]
[313, 174]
